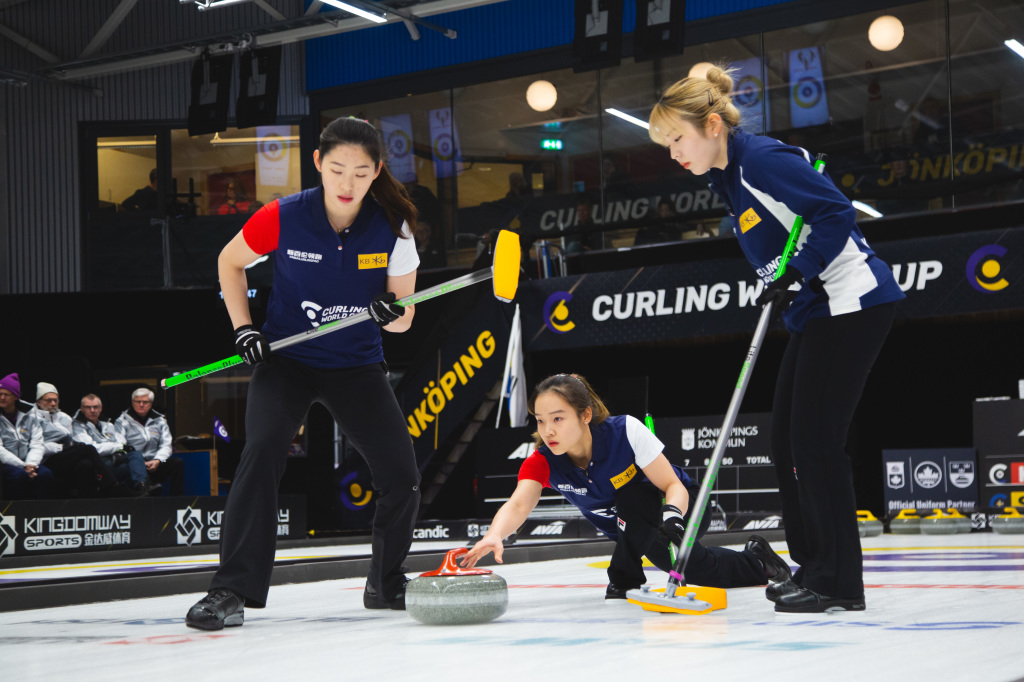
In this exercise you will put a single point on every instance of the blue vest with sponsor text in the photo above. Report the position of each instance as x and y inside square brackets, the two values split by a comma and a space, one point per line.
[612, 466]
[320, 276]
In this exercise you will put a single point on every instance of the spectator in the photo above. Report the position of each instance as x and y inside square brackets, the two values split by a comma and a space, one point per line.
[77, 468]
[663, 231]
[428, 212]
[146, 431]
[237, 199]
[21, 446]
[518, 187]
[145, 199]
[108, 438]
[586, 237]
[430, 255]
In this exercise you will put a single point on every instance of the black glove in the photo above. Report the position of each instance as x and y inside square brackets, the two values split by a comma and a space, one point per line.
[672, 527]
[778, 292]
[384, 311]
[251, 345]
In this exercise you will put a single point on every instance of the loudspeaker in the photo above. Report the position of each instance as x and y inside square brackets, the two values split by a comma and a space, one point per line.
[211, 89]
[259, 73]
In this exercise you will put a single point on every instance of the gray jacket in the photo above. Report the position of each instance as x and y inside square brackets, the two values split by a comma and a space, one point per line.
[56, 429]
[152, 439]
[107, 437]
[21, 443]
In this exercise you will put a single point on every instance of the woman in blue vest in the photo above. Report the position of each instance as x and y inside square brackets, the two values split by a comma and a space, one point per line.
[339, 249]
[837, 300]
[614, 471]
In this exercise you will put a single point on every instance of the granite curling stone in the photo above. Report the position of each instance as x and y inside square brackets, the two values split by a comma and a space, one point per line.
[868, 525]
[907, 522]
[452, 595]
[939, 523]
[1010, 522]
[963, 523]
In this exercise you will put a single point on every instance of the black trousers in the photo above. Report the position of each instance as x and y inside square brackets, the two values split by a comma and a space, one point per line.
[79, 470]
[639, 510]
[171, 472]
[365, 408]
[822, 377]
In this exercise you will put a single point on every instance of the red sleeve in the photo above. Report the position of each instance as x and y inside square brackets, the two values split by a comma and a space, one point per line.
[535, 468]
[261, 230]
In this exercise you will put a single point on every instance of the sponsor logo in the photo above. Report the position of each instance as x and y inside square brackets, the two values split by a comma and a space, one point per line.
[549, 529]
[312, 311]
[748, 220]
[556, 313]
[621, 524]
[304, 256]
[1017, 473]
[368, 261]
[436, 533]
[997, 474]
[894, 474]
[998, 500]
[625, 477]
[983, 269]
[8, 534]
[689, 439]
[522, 452]
[189, 526]
[567, 488]
[53, 542]
[927, 474]
[1017, 499]
[475, 530]
[76, 524]
[766, 523]
[353, 495]
[961, 473]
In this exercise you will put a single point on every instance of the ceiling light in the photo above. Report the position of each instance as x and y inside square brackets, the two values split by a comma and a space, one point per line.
[217, 140]
[885, 33]
[631, 119]
[1015, 45]
[541, 95]
[359, 12]
[864, 208]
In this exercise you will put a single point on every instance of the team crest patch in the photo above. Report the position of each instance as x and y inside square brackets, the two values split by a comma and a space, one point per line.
[625, 477]
[748, 220]
[373, 260]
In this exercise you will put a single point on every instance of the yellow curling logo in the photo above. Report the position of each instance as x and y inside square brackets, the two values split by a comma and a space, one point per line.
[373, 260]
[625, 477]
[748, 220]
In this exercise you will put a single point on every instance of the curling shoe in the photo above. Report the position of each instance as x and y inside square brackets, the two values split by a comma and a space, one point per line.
[372, 600]
[776, 590]
[217, 610]
[614, 591]
[777, 571]
[808, 601]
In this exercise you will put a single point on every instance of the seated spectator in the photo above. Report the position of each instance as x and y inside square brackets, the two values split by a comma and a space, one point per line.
[108, 438]
[587, 236]
[430, 255]
[21, 446]
[145, 199]
[663, 231]
[237, 200]
[146, 431]
[77, 468]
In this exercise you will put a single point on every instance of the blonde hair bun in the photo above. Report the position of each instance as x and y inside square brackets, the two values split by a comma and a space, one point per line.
[720, 79]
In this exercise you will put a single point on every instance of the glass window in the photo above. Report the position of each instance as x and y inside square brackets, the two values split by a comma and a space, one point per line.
[235, 172]
[866, 90]
[126, 172]
[987, 105]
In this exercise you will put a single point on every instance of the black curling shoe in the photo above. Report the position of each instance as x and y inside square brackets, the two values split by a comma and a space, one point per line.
[372, 600]
[808, 601]
[217, 610]
[617, 592]
[776, 590]
[775, 569]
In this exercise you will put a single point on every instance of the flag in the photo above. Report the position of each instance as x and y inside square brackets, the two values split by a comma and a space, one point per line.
[219, 430]
[513, 383]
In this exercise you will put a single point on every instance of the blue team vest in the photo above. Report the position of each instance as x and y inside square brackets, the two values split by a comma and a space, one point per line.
[612, 466]
[320, 276]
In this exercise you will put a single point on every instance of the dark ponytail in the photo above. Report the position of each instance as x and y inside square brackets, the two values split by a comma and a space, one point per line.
[575, 390]
[389, 192]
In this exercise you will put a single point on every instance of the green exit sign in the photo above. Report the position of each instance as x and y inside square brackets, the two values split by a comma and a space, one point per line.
[550, 143]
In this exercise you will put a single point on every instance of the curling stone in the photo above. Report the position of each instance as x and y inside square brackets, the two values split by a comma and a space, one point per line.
[907, 522]
[867, 523]
[938, 523]
[1009, 522]
[452, 595]
[963, 524]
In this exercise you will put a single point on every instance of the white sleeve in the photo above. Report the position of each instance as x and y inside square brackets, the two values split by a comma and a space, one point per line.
[646, 446]
[404, 258]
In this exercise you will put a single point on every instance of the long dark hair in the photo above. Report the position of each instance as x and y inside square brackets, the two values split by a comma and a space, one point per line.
[575, 390]
[389, 192]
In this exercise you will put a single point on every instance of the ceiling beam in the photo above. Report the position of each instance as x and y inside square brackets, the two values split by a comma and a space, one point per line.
[22, 41]
[108, 28]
